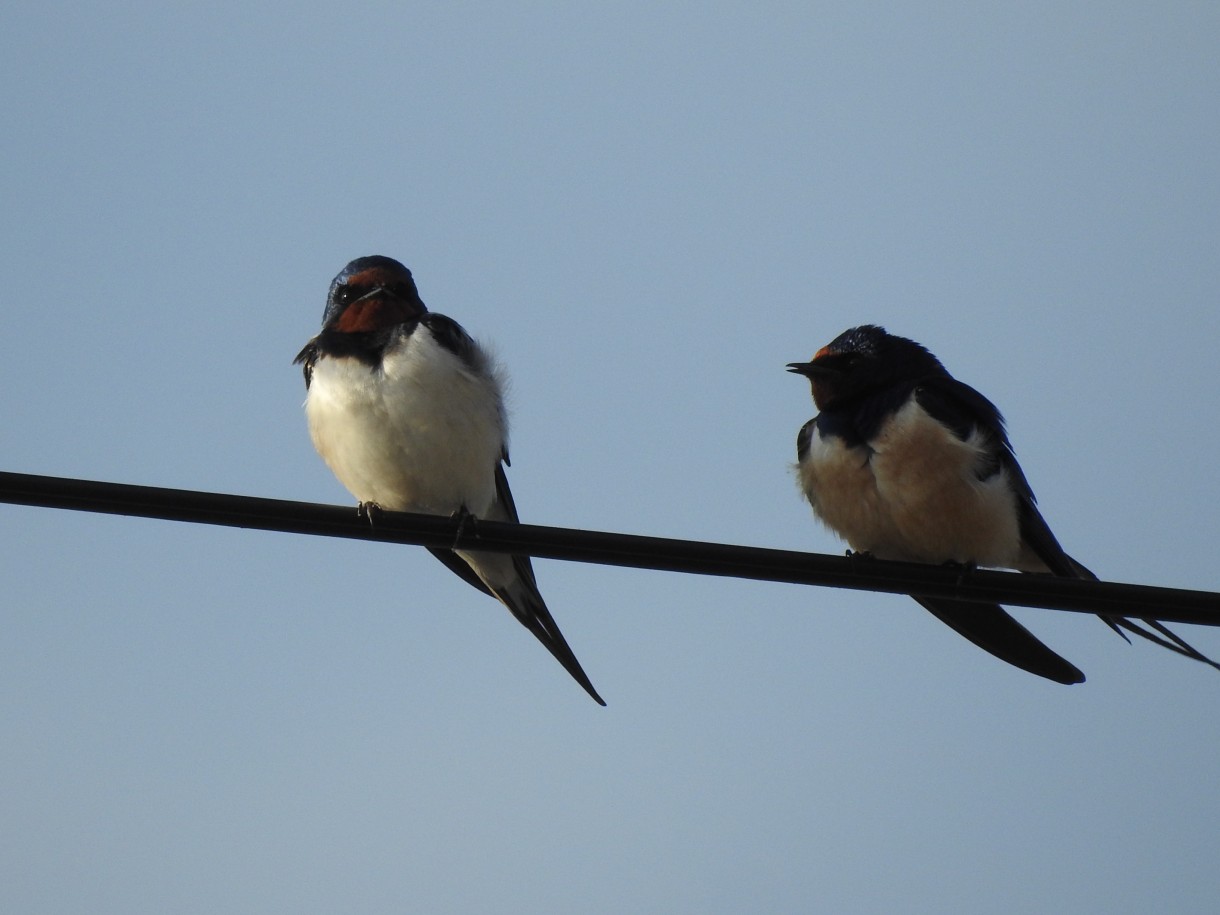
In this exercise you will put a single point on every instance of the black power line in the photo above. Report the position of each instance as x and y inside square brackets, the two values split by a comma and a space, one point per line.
[665, 554]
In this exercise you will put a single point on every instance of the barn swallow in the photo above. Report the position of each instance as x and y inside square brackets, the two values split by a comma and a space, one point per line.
[905, 462]
[408, 412]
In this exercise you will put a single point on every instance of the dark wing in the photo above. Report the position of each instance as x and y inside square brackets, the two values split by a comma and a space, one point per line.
[963, 409]
[449, 334]
[1037, 535]
[527, 604]
[504, 496]
[306, 358]
[531, 611]
[803, 438]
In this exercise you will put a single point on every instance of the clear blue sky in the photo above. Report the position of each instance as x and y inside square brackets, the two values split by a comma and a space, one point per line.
[649, 209]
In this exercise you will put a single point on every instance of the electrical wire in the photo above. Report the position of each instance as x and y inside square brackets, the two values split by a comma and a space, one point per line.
[660, 553]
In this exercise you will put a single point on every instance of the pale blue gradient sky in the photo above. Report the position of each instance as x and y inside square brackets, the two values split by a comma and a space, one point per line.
[649, 209]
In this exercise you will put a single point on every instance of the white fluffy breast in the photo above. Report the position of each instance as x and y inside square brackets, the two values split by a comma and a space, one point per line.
[421, 432]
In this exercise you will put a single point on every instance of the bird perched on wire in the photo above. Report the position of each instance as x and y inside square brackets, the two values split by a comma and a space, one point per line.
[905, 462]
[408, 412]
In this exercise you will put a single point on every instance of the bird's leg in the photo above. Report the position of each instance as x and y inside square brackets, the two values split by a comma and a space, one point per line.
[963, 569]
[464, 516]
[369, 511]
[860, 561]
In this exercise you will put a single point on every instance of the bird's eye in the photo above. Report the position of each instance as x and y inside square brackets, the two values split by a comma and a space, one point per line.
[343, 295]
[401, 289]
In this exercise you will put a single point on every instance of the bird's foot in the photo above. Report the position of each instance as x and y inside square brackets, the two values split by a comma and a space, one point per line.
[464, 517]
[369, 511]
[860, 561]
[963, 569]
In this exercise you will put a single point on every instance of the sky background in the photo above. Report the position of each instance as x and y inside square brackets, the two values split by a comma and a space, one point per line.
[649, 209]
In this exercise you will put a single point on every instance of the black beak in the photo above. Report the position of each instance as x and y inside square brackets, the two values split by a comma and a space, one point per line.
[811, 369]
[826, 364]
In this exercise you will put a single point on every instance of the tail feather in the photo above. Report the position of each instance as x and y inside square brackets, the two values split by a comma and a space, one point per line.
[526, 604]
[1060, 563]
[991, 628]
[1171, 640]
[510, 580]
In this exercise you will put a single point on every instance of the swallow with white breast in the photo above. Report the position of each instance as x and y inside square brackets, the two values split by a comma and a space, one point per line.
[905, 462]
[408, 412]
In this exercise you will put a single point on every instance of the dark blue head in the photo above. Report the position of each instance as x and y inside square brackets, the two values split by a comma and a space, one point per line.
[863, 361]
[370, 294]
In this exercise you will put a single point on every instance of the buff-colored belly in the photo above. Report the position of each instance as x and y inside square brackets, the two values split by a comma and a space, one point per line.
[915, 494]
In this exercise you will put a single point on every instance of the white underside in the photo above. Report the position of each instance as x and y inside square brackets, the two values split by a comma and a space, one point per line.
[421, 433]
